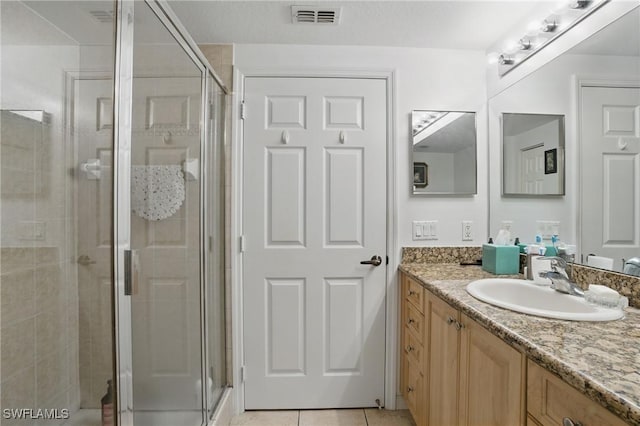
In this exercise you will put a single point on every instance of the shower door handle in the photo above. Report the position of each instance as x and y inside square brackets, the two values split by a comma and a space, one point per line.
[131, 272]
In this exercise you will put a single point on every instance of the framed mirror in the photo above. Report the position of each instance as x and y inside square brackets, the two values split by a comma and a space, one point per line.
[532, 154]
[443, 152]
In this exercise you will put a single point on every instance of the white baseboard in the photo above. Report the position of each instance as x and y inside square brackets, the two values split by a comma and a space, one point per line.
[224, 411]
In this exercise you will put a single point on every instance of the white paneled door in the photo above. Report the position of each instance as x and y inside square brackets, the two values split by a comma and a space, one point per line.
[314, 207]
[610, 178]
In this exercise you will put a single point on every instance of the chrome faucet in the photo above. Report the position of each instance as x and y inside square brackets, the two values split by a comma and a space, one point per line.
[559, 277]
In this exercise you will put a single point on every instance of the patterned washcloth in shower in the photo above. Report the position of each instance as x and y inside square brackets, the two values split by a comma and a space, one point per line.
[157, 192]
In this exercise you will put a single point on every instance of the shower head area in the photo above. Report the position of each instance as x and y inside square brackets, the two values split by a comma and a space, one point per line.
[112, 270]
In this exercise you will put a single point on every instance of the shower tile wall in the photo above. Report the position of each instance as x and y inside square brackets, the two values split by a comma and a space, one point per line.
[38, 286]
[41, 345]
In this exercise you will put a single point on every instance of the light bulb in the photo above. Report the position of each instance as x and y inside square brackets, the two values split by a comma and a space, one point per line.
[534, 26]
[578, 4]
[492, 58]
[548, 25]
[505, 59]
[525, 43]
[511, 46]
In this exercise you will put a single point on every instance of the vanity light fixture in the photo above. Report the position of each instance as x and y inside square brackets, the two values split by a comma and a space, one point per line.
[540, 33]
[422, 120]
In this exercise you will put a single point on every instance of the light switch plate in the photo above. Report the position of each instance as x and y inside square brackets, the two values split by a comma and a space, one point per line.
[431, 229]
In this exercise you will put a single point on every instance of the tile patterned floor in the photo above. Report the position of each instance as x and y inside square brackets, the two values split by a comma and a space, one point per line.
[356, 417]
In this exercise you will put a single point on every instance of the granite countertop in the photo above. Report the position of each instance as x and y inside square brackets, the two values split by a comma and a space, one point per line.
[601, 359]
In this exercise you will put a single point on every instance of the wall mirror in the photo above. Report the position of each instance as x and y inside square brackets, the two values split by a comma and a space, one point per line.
[443, 153]
[24, 147]
[532, 154]
[596, 87]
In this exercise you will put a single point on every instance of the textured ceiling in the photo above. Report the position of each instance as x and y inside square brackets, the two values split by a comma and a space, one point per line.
[454, 24]
[435, 24]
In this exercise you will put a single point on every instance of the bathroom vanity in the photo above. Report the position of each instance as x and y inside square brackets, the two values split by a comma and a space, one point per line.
[466, 362]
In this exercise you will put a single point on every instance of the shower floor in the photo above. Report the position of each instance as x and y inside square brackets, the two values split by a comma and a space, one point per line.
[85, 417]
[91, 417]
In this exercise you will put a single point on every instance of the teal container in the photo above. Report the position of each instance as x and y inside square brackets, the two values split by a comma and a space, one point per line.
[501, 260]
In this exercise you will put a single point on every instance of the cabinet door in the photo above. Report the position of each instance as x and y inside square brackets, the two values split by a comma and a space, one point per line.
[492, 379]
[414, 392]
[550, 400]
[442, 352]
[403, 335]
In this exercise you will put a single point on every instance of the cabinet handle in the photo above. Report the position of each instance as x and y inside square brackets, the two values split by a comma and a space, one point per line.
[409, 389]
[410, 348]
[411, 321]
[412, 293]
[568, 422]
[459, 326]
[450, 320]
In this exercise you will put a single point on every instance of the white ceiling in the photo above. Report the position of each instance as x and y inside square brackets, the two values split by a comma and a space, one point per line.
[452, 24]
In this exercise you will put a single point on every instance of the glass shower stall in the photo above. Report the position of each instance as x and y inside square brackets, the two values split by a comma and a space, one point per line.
[112, 217]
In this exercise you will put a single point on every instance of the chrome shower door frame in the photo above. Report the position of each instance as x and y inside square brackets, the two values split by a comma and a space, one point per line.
[123, 101]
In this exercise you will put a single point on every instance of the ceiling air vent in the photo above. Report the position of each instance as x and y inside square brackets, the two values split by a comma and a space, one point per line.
[102, 16]
[315, 15]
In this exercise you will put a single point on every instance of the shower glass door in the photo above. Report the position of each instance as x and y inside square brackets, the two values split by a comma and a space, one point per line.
[165, 227]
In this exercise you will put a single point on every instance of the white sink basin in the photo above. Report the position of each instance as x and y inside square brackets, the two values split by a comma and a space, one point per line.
[528, 298]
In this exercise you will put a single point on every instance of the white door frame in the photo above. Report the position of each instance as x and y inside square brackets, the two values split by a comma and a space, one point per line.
[579, 82]
[236, 257]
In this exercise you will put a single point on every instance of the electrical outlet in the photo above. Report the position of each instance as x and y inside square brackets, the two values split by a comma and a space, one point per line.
[467, 230]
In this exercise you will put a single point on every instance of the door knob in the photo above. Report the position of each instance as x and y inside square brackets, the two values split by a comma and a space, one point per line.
[375, 261]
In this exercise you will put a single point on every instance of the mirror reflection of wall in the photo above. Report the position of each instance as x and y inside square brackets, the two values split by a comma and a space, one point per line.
[444, 152]
[578, 85]
[532, 154]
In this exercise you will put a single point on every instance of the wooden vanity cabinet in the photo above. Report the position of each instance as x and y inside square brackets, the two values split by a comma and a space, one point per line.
[412, 379]
[453, 371]
[469, 376]
[550, 400]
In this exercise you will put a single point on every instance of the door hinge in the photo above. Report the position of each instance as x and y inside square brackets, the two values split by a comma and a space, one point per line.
[387, 260]
[243, 111]
[243, 373]
[210, 243]
[243, 242]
